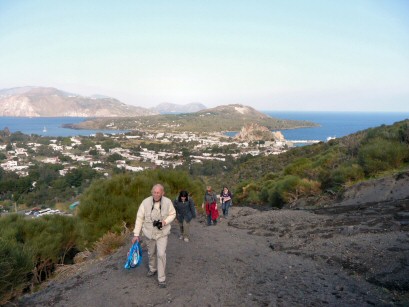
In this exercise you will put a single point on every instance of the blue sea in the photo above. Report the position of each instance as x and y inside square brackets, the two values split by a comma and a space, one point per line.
[332, 124]
[48, 126]
[335, 124]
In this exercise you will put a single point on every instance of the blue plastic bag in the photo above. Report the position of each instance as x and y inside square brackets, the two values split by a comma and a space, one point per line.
[134, 256]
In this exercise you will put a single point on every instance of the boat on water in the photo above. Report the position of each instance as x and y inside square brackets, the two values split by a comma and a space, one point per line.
[44, 129]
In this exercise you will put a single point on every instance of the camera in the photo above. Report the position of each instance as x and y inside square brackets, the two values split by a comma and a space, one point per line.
[158, 224]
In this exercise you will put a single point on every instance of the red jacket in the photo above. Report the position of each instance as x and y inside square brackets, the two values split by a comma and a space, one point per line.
[212, 209]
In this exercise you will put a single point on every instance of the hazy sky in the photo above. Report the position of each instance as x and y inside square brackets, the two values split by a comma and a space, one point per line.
[329, 55]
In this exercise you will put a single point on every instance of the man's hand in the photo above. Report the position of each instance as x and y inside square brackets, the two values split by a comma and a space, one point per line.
[135, 239]
[163, 223]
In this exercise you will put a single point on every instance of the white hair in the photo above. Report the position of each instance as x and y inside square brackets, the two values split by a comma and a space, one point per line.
[158, 185]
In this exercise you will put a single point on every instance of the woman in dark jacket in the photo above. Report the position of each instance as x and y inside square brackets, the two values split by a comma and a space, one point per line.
[185, 212]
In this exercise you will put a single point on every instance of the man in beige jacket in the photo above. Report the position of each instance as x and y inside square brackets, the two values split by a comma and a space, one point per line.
[154, 217]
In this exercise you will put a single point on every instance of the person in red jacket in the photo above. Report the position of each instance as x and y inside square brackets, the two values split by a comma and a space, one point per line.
[210, 201]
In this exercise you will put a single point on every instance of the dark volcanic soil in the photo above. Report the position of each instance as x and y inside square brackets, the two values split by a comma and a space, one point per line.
[355, 255]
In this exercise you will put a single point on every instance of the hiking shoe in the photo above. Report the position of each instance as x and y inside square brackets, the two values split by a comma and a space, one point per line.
[180, 237]
[186, 239]
[150, 273]
[162, 284]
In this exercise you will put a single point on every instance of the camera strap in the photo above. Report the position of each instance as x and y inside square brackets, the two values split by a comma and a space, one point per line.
[160, 205]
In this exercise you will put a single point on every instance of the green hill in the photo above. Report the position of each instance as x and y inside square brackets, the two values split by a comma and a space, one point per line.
[323, 169]
[223, 118]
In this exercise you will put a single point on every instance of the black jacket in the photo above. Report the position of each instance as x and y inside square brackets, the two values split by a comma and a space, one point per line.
[185, 210]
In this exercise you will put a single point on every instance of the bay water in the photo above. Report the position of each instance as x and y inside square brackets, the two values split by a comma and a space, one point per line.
[335, 124]
[332, 124]
[48, 126]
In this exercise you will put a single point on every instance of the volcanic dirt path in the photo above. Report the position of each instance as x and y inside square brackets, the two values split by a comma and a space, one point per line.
[254, 258]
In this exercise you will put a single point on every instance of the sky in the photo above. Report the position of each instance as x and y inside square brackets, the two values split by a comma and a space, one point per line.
[315, 55]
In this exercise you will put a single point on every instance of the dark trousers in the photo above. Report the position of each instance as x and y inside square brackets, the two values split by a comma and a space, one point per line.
[209, 220]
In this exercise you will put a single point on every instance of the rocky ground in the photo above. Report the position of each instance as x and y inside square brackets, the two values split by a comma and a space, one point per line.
[350, 256]
[348, 253]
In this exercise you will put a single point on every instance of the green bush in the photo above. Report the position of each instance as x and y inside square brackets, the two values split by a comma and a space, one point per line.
[380, 155]
[345, 174]
[247, 193]
[328, 159]
[30, 249]
[299, 167]
[274, 193]
[403, 133]
[109, 203]
[16, 264]
[288, 189]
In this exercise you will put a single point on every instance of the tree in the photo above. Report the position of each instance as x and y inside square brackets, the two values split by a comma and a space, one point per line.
[77, 176]
[114, 157]
[93, 152]
[109, 144]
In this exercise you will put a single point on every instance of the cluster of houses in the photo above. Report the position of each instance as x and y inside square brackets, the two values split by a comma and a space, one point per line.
[18, 160]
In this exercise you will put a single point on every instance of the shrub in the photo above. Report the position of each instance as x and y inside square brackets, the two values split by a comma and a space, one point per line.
[328, 160]
[110, 242]
[380, 155]
[299, 167]
[346, 174]
[109, 203]
[16, 264]
[404, 133]
[247, 193]
[36, 245]
[288, 189]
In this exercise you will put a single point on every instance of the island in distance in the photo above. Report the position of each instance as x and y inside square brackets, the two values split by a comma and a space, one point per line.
[223, 118]
[110, 113]
[173, 108]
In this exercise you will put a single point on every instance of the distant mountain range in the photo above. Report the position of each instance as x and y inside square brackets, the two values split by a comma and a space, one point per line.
[172, 108]
[30, 101]
[51, 102]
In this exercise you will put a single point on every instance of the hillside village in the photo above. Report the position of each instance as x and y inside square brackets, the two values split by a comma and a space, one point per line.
[19, 159]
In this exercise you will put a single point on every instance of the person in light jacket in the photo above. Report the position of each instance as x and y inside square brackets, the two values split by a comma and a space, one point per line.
[154, 217]
[185, 212]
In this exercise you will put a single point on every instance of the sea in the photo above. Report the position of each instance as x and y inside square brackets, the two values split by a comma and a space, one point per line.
[332, 124]
[49, 126]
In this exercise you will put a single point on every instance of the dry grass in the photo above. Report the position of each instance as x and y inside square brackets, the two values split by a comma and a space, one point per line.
[110, 242]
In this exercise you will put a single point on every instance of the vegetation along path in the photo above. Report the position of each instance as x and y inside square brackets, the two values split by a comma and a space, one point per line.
[270, 258]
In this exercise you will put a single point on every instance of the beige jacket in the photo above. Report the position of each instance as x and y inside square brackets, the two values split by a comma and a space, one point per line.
[148, 212]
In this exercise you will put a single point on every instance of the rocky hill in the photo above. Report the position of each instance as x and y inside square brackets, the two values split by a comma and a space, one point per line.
[51, 102]
[222, 118]
[172, 108]
[254, 132]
